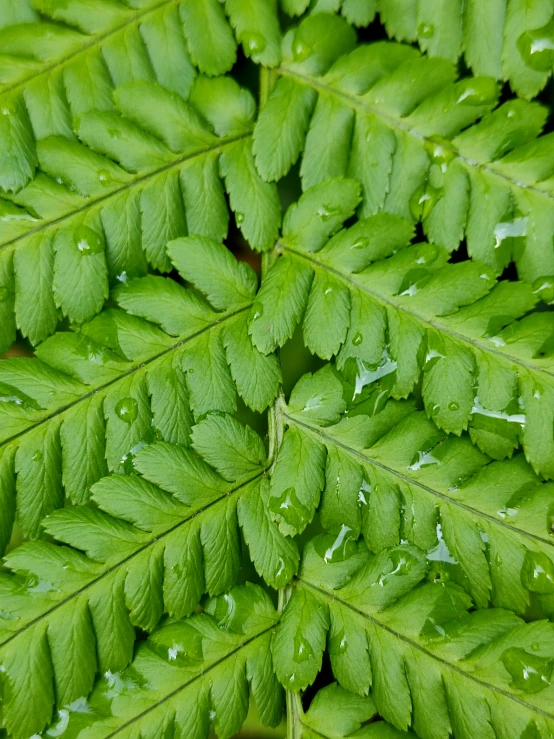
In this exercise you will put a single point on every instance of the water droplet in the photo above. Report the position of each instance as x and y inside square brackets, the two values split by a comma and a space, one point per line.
[302, 648]
[239, 217]
[535, 646]
[441, 552]
[441, 151]
[256, 312]
[360, 243]
[338, 643]
[127, 410]
[399, 564]
[4, 293]
[537, 47]
[477, 91]
[301, 50]
[423, 459]
[543, 287]
[453, 406]
[288, 508]
[537, 573]
[357, 339]
[37, 456]
[324, 213]
[515, 229]
[529, 672]
[424, 200]
[335, 548]
[104, 177]
[253, 43]
[510, 417]
[88, 241]
[426, 30]
[281, 577]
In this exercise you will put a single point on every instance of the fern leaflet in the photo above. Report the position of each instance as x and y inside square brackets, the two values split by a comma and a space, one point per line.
[381, 468]
[430, 663]
[483, 355]
[92, 399]
[403, 126]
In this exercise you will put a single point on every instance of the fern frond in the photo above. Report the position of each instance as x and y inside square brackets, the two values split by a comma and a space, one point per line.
[386, 308]
[187, 675]
[412, 134]
[65, 65]
[335, 713]
[90, 400]
[84, 220]
[153, 544]
[430, 663]
[498, 39]
[382, 469]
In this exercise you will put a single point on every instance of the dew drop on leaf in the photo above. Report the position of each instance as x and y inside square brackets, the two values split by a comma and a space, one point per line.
[537, 47]
[529, 672]
[290, 509]
[424, 200]
[357, 339]
[537, 573]
[37, 456]
[338, 643]
[543, 288]
[426, 30]
[256, 312]
[87, 241]
[302, 649]
[335, 548]
[239, 217]
[253, 42]
[127, 410]
[453, 406]
[4, 293]
[301, 50]
[477, 91]
[360, 243]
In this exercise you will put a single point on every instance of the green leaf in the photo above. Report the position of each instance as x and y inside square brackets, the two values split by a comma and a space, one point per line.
[391, 475]
[257, 28]
[93, 399]
[189, 673]
[434, 666]
[296, 482]
[299, 641]
[154, 543]
[413, 315]
[233, 449]
[424, 146]
[209, 38]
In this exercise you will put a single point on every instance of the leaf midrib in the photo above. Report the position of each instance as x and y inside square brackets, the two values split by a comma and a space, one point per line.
[139, 180]
[121, 563]
[317, 432]
[418, 316]
[138, 367]
[419, 647]
[96, 39]
[185, 685]
[358, 104]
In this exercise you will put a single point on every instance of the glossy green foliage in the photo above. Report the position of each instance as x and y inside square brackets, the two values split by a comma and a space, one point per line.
[387, 308]
[153, 543]
[505, 39]
[112, 181]
[144, 371]
[429, 662]
[424, 145]
[188, 674]
[382, 469]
